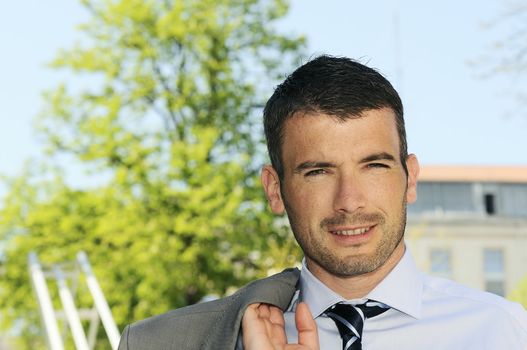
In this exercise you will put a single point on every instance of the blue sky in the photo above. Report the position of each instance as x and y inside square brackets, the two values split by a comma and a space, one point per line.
[452, 115]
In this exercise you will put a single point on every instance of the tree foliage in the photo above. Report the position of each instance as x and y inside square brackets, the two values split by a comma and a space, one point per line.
[519, 294]
[163, 110]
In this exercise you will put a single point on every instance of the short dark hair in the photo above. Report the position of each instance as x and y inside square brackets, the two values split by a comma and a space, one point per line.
[336, 86]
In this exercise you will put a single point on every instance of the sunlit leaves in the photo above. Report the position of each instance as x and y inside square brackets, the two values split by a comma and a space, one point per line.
[163, 104]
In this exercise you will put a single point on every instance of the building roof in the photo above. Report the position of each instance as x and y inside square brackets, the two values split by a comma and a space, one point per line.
[473, 173]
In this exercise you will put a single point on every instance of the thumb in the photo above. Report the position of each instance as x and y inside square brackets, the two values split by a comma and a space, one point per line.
[306, 326]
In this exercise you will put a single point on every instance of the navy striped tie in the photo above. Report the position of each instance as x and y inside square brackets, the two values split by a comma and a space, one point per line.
[350, 321]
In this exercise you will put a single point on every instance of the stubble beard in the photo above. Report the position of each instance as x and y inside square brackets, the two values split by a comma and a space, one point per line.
[351, 266]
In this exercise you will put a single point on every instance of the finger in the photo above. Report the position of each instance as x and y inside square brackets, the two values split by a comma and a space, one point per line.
[306, 326]
[250, 314]
[264, 314]
[277, 335]
[252, 323]
[263, 311]
[276, 315]
[254, 330]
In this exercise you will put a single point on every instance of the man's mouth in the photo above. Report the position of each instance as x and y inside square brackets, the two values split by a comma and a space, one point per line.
[351, 232]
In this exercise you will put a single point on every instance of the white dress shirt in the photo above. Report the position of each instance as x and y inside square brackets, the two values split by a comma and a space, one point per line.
[425, 313]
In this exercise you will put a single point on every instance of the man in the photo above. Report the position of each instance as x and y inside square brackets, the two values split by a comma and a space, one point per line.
[341, 171]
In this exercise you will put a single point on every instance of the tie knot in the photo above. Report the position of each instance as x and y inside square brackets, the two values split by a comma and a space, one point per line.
[372, 308]
[350, 320]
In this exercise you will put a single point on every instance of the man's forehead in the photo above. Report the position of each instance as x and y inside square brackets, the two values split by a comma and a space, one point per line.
[320, 135]
[306, 115]
[311, 119]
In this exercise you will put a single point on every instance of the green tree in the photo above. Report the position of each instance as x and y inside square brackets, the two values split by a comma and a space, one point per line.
[167, 121]
[519, 294]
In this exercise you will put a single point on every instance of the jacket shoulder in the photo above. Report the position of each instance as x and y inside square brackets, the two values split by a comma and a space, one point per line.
[189, 327]
[177, 329]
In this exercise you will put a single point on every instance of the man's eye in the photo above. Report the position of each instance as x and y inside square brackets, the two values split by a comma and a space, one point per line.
[315, 172]
[378, 165]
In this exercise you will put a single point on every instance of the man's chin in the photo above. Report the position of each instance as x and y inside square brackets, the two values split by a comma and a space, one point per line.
[346, 267]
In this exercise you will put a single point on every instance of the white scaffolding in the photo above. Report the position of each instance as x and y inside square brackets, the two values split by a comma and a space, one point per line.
[100, 312]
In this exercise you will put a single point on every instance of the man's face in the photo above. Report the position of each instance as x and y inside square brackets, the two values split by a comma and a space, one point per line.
[344, 190]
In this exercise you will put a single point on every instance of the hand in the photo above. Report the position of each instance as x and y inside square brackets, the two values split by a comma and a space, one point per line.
[263, 329]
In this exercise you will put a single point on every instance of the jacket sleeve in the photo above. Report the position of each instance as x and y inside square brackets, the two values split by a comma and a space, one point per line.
[123, 343]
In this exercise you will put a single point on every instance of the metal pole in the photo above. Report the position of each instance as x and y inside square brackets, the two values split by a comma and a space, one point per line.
[92, 332]
[100, 302]
[44, 301]
[72, 315]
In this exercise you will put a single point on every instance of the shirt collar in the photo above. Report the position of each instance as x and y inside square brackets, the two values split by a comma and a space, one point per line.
[401, 289]
[315, 293]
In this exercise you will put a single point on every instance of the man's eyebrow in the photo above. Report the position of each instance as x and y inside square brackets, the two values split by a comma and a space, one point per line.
[311, 165]
[378, 156]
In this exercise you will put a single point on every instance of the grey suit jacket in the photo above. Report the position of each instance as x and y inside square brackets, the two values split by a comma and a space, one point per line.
[212, 325]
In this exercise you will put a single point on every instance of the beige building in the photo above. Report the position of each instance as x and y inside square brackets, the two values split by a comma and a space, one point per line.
[469, 224]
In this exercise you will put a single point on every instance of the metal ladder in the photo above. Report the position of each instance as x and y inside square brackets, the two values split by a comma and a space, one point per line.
[99, 312]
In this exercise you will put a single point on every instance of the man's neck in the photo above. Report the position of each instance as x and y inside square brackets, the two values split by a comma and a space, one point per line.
[356, 287]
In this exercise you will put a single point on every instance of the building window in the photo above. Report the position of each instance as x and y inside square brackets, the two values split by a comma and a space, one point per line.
[490, 204]
[441, 262]
[494, 271]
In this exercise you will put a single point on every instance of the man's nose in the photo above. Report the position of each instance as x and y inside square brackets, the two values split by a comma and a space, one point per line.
[349, 194]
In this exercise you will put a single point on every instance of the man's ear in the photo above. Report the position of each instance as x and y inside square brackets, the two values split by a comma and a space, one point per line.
[413, 172]
[271, 185]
